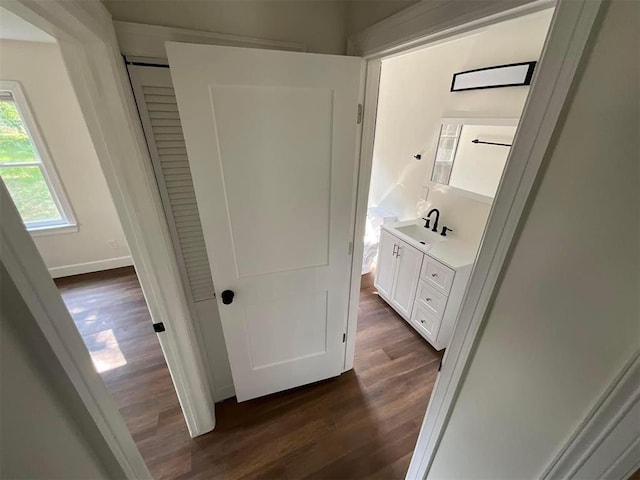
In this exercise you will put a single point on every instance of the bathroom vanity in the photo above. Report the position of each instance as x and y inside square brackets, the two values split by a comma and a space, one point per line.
[423, 276]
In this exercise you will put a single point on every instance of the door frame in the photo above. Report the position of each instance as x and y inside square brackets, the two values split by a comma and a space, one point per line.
[427, 24]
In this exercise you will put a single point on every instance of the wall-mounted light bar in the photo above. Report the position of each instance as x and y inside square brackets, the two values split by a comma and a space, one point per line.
[512, 75]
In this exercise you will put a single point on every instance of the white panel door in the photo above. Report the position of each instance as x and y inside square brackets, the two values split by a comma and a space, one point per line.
[408, 264]
[271, 140]
[386, 263]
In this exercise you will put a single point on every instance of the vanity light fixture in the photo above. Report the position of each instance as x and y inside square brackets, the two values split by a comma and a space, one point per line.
[510, 75]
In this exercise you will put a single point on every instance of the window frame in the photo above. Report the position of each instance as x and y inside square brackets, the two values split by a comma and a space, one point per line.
[67, 222]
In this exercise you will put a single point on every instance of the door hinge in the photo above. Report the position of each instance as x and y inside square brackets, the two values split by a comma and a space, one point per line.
[158, 327]
[360, 113]
[350, 249]
[344, 337]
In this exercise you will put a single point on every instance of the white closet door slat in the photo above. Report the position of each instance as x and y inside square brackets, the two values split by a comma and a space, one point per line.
[162, 107]
[168, 129]
[165, 122]
[161, 123]
[147, 90]
[160, 99]
[164, 115]
[172, 151]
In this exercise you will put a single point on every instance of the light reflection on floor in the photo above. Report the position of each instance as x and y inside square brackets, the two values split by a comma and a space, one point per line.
[105, 352]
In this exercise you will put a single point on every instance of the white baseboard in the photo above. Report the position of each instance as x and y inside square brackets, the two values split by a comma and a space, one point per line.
[87, 267]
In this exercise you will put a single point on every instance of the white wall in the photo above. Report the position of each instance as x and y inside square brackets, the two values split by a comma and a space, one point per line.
[320, 25]
[40, 70]
[45, 431]
[478, 167]
[364, 13]
[414, 96]
[467, 217]
[566, 316]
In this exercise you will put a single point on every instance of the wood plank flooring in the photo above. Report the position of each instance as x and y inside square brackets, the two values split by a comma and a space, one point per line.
[363, 424]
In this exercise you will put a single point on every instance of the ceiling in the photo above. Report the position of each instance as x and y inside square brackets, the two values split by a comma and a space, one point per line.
[13, 27]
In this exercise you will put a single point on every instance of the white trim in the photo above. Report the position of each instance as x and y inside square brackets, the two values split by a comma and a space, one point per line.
[434, 21]
[88, 267]
[53, 230]
[89, 49]
[370, 106]
[29, 273]
[47, 166]
[140, 40]
[439, 21]
[599, 425]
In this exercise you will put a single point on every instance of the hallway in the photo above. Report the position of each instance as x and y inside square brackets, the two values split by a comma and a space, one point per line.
[362, 424]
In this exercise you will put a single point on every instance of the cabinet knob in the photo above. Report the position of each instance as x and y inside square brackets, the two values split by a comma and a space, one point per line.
[428, 299]
[434, 275]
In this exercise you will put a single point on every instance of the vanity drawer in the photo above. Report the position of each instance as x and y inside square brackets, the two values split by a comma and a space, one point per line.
[426, 324]
[437, 275]
[431, 300]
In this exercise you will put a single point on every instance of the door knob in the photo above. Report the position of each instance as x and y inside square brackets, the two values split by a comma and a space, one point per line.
[227, 297]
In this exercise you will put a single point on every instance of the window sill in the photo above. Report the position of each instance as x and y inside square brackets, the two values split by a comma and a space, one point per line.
[53, 230]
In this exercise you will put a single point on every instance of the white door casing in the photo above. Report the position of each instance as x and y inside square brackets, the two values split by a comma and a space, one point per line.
[271, 140]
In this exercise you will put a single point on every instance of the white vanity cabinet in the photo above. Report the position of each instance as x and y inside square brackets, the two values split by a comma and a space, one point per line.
[397, 273]
[425, 286]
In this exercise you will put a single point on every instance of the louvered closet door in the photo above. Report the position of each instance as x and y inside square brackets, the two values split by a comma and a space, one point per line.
[156, 102]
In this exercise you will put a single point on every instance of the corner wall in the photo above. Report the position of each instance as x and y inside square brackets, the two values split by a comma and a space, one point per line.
[56, 110]
[566, 316]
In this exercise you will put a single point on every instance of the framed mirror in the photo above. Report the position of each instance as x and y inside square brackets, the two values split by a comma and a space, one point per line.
[471, 153]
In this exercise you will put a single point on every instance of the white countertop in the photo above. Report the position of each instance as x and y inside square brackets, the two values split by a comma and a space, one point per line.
[449, 250]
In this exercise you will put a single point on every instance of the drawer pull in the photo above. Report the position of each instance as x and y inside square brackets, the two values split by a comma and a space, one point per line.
[434, 275]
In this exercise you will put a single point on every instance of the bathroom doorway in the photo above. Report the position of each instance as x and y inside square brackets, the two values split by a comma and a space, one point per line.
[438, 158]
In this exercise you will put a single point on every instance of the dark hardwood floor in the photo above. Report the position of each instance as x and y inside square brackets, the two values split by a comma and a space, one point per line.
[363, 424]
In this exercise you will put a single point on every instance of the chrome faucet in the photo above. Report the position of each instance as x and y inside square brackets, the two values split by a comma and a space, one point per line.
[427, 219]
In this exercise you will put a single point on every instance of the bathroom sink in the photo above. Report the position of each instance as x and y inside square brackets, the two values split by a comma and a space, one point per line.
[419, 234]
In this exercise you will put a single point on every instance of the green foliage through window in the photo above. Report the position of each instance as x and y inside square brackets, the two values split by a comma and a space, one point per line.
[26, 183]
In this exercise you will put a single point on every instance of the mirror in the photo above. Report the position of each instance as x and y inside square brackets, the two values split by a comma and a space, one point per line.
[471, 153]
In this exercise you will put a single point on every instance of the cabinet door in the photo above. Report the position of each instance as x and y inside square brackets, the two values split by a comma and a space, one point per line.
[408, 264]
[386, 263]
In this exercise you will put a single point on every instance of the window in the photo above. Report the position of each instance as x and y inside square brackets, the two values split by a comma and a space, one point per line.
[25, 167]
